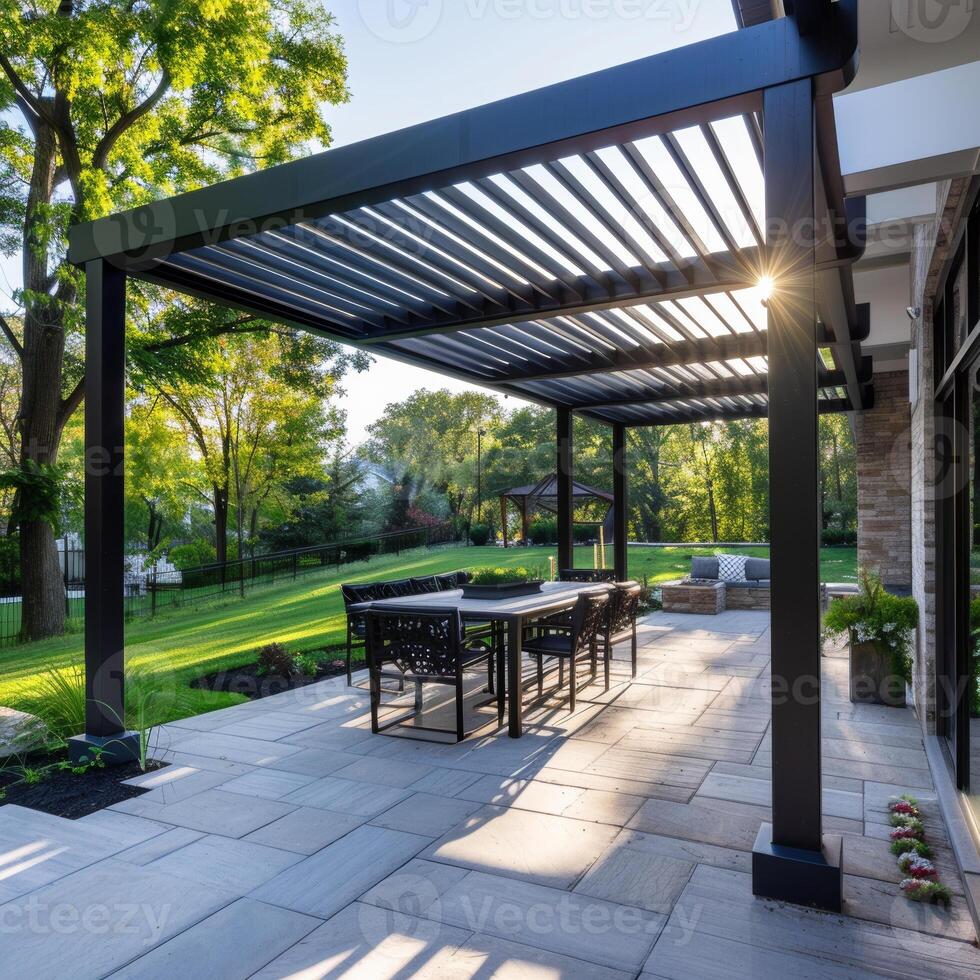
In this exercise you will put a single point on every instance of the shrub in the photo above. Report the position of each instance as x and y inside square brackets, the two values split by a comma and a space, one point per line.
[58, 700]
[275, 659]
[193, 555]
[479, 534]
[877, 616]
[584, 533]
[502, 576]
[834, 537]
[543, 531]
[307, 664]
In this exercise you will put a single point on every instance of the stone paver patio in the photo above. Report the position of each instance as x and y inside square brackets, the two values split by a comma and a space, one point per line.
[286, 840]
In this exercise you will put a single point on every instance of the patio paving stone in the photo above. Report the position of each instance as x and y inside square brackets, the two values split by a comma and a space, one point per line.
[305, 830]
[268, 784]
[233, 865]
[212, 812]
[228, 945]
[99, 919]
[335, 876]
[366, 943]
[579, 926]
[430, 816]
[536, 847]
[346, 796]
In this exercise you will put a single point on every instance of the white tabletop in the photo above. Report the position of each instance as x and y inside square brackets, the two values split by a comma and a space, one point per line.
[552, 597]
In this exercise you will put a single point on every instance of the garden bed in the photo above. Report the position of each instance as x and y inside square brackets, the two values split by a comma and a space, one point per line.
[253, 683]
[64, 793]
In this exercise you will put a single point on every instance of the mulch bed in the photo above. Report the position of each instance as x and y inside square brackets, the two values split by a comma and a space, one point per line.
[66, 794]
[248, 680]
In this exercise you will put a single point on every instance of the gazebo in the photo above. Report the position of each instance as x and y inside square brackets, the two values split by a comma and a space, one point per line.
[664, 241]
[543, 495]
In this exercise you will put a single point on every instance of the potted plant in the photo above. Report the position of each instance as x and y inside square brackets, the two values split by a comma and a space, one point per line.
[880, 628]
[501, 583]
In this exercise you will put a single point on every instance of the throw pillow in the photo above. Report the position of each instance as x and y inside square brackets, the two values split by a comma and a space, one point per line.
[731, 568]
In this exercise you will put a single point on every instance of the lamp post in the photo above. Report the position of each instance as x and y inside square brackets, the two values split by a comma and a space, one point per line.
[479, 475]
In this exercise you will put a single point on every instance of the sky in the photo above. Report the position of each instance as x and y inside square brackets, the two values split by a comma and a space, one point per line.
[412, 60]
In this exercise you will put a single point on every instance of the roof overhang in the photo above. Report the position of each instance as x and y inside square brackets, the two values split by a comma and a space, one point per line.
[595, 244]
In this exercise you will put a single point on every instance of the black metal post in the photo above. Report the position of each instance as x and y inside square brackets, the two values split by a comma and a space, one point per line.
[566, 554]
[792, 861]
[620, 503]
[479, 476]
[105, 396]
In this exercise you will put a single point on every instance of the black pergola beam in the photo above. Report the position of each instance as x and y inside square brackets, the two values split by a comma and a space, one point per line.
[674, 355]
[105, 517]
[687, 86]
[791, 860]
[564, 436]
[756, 384]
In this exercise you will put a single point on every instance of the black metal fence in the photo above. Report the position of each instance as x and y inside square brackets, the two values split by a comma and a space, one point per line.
[153, 590]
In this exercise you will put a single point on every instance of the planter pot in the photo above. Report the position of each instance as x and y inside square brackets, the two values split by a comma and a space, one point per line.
[872, 679]
[511, 590]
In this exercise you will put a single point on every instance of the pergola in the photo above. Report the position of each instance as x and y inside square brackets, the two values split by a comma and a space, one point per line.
[543, 495]
[596, 246]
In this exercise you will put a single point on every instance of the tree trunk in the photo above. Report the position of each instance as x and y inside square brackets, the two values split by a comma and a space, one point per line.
[43, 605]
[220, 497]
[42, 581]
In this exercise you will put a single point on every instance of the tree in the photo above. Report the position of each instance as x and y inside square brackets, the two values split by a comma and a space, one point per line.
[120, 102]
[156, 471]
[430, 440]
[259, 418]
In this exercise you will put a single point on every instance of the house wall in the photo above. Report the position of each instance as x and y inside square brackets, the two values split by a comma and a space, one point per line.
[884, 476]
[930, 250]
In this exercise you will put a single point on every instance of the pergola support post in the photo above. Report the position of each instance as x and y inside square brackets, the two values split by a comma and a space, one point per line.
[105, 387]
[620, 503]
[566, 554]
[792, 861]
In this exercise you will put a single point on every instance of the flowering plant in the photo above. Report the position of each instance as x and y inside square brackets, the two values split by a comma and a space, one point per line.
[877, 616]
[915, 866]
[905, 805]
[906, 845]
[925, 891]
[906, 833]
[903, 820]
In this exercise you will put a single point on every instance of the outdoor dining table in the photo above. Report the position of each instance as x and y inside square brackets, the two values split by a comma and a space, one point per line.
[513, 613]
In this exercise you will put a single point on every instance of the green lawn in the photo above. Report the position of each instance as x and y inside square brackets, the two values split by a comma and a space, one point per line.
[308, 614]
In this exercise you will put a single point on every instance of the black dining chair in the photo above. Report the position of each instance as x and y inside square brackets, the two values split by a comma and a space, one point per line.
[569, 644]
[425, 584]
[595, 575]
[426, 646]
[356, 622]
[448, 582]
[620, 624]
[400, 589]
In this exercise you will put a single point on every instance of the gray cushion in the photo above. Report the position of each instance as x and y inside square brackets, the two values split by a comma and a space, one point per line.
[704, 568]
[757, 569]
[753, 584]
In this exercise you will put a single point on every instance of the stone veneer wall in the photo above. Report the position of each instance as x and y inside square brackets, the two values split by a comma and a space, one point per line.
[884, 476]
